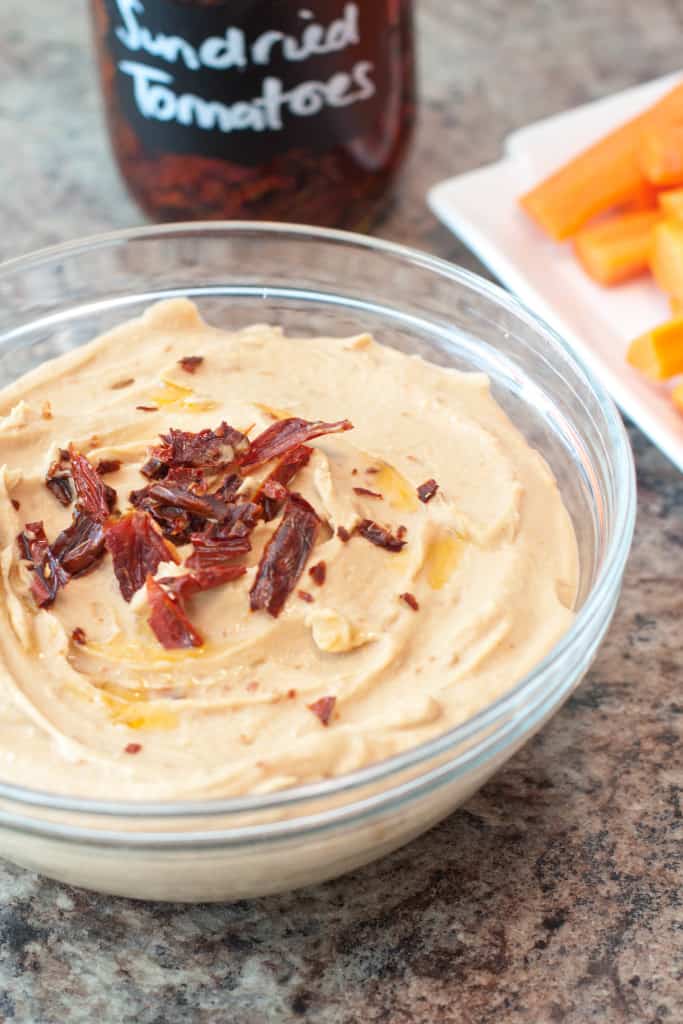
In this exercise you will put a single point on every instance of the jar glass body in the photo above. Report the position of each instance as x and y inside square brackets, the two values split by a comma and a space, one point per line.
[258, 109]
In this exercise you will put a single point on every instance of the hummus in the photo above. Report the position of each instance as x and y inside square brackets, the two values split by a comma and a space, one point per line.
[409, 642]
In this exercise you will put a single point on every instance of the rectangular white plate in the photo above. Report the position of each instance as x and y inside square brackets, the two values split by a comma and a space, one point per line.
[481, 208]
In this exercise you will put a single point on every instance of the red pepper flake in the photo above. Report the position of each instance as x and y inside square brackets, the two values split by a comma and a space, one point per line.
[354, 471]
[48, 575]
[372, 470]
[364, 492]
[291, 694]
[80, 546]
[58, 480]
[168, 621]
[303, 595]
[318, 572]
[379, 536]
[427, 490]
[285, 556]
[253, 686]
[283, 435]
[190, 363]
[16, 505]
[105, 466]
[343, 534]
[147, 408]
[402, 532]
[410, 600]
[323, 709]
[78, 636]
[132, 748]
[119, 384]
[137, 550]
[93, 496]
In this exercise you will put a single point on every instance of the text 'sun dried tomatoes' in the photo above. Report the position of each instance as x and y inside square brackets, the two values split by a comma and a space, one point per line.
[263, 110]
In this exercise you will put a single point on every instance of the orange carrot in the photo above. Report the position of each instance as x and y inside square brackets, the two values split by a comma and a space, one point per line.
[661, 153]
[614, 250]
[659, 353]
[607, 174]
[666, 260]
[671, 202]
[647, 198]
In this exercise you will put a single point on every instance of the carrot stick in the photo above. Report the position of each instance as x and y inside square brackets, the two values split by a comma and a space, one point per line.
[617, 249]
[659, 353]
[666, 260]
[607, 174]
[661, 153]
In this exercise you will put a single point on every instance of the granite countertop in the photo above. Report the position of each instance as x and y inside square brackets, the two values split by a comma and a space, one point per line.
[554, 895]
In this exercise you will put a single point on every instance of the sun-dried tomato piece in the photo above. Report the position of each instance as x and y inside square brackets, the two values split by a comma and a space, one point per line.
[318, 572]
[154, 469]
[47, 574]
[214, 552]
[283, 435]
[208, 449]
[132, 748]
[379, 536]
[16, 505]
[190, 363]
[137, 550]
[205, 579]
[105, 466]
[343, 534]
[227, 491]
[163, 492]
[58, 479]
[410, 600]
[80, 546]
[78, 636]
[284, 557]
[168, 621]
[427, 490]
[93, 495]
[273, 491]
[366, 493]
[304, 595]
[323, 709]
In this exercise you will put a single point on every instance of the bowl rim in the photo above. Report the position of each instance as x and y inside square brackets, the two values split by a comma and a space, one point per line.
[606, 584]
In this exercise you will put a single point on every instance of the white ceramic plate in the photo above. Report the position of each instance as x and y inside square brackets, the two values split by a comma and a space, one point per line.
[481, 208]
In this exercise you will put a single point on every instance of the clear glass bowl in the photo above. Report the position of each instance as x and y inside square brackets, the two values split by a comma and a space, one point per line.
[312, 280]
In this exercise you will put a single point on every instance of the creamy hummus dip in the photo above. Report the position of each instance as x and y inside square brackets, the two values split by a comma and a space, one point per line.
[378, 650]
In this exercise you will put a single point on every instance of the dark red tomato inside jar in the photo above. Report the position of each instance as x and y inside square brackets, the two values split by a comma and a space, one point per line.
[258, 109]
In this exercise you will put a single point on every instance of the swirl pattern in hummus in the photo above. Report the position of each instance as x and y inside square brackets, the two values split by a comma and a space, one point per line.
[491, 560]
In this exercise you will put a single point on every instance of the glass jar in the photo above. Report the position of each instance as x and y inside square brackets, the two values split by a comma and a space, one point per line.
[258, 109]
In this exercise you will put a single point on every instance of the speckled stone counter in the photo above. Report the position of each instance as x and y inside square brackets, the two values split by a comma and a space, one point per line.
[555, 894]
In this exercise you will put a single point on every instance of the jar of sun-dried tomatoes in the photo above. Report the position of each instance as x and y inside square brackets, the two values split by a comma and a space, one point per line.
[259, 109]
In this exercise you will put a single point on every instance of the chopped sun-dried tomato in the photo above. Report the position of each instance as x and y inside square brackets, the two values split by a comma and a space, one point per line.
[318, 572]
[427, 490]
[137, 550]
[93, 495]
[177, 508]
[58, 479]
[379, 536]
[78, 636]
[213, 552]
[284, 557]
[168, 621]
[343, 534]
[208, 449]
[154, 469]
[48, 575]
[16, 505]
[204, 579]
[283, 435]
[304, 595]
[273, 493]
[80, 546]
[323, 709]
[132, 748]
[190, 363]
[410, 600]
[105, 466]
[364, 492]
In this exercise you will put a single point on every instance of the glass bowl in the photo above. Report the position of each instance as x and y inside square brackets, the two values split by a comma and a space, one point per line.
[312, 280]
